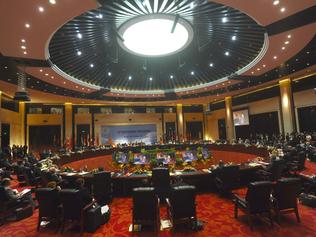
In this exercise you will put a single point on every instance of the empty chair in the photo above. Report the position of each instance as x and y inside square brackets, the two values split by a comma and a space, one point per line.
[161, 182]
[272, 172]
[102, 187]
[145, 207]
[285, 194]
[73, 207]
[181, 205]
[257, 200]
[227, 178]
[49, 205]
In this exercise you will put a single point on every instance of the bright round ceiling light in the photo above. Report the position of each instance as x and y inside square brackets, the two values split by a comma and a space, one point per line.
[152, 35]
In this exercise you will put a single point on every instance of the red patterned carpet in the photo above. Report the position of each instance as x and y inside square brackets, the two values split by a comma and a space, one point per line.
[215, 212]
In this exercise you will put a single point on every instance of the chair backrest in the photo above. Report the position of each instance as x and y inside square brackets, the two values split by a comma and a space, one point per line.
[102, 186]
[161, 178]
[302, 159]
[182, 201]
[277, 169]
[72, 203]
[258, 196]
[145, 203]
[3, 195]
[48, 200]
[229, 174]
[286, 192]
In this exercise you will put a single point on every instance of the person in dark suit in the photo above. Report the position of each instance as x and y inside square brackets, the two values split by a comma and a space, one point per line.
[86, 196]
[14, 195]
[52, 176]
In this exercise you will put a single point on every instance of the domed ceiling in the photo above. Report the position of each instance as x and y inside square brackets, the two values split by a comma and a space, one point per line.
[222, 41]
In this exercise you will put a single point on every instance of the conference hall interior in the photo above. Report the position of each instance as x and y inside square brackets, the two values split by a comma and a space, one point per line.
[159, 118]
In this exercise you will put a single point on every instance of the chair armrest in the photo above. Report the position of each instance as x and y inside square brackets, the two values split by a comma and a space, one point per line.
[89, 205]
[238, 198]
[168, 202]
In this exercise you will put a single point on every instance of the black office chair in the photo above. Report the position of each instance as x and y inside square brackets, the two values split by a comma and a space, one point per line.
[273, 173]
[145, 208]
[182, 206]
[73, 207]
[298, 164]
[227, 178]
[257, 200]
[285, 194]
[161, 182]
[49, 205]
[102, 187]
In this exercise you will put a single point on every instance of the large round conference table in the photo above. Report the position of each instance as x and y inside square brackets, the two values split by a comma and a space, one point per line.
[201, 177]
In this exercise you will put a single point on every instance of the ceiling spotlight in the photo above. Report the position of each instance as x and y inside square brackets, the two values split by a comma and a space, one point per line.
[192, 73]
[79, 53]
[275, 57]
[286, 42]
[41, 70]
[23, 40]
[109, 74]
[252, 72]
[234, 37]
[52, 1]
[27, 25]
[171, 76]
[211, 64]
[289, 36]
[79, 36]
[129, 78]
[224, 19]
[24, 52]
[91, 65]
[258, 69]
[100, 16]
[227, 53]
[52, 77]
[283, 48]
[46, 74]
[282, 9]
[150, 78]
[263, 65]
[23, 47]
[41, 9]
[276, 2]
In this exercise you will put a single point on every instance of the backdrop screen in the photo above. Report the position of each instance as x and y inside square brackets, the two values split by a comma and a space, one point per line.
[129, 134]
[241, 117]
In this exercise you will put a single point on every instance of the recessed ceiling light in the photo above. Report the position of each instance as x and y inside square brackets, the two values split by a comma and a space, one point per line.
[79, 36]
[41, 70]
[276, 2]
[79, 53]
[23, 47]
[227, 53]
[23, 40]
[5, 67]
[286, 42]
[282, 9]
[275, 57]
[100, 16]
[234, 37]
[76, 86]
[283, 48]
[129, 77]
[24, 52]
[171, 76]
[46, 74]
[150, 78]
[192, 73]
[52, 77]
[52, 1]
[41, 9]
[224, 19]
[27, 25]
[64, 82]
[258, 69]
[263, 65]
[289, 36]
[109, 74]
[91, 65]
[211, 64]
[252, 72]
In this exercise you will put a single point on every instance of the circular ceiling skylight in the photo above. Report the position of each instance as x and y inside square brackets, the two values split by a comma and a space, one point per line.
[154, 36]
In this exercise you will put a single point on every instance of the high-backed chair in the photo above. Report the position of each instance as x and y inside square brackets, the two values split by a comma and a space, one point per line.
[49, 205]
[285, 194]
[298, 164]
[161, 182]
[102, 187]
[181, 205]
[145, 208]
[257, 200]
[273, 173]
[73, 207]
[227, 178]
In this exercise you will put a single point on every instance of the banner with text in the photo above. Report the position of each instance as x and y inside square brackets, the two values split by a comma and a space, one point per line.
[129, 133]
